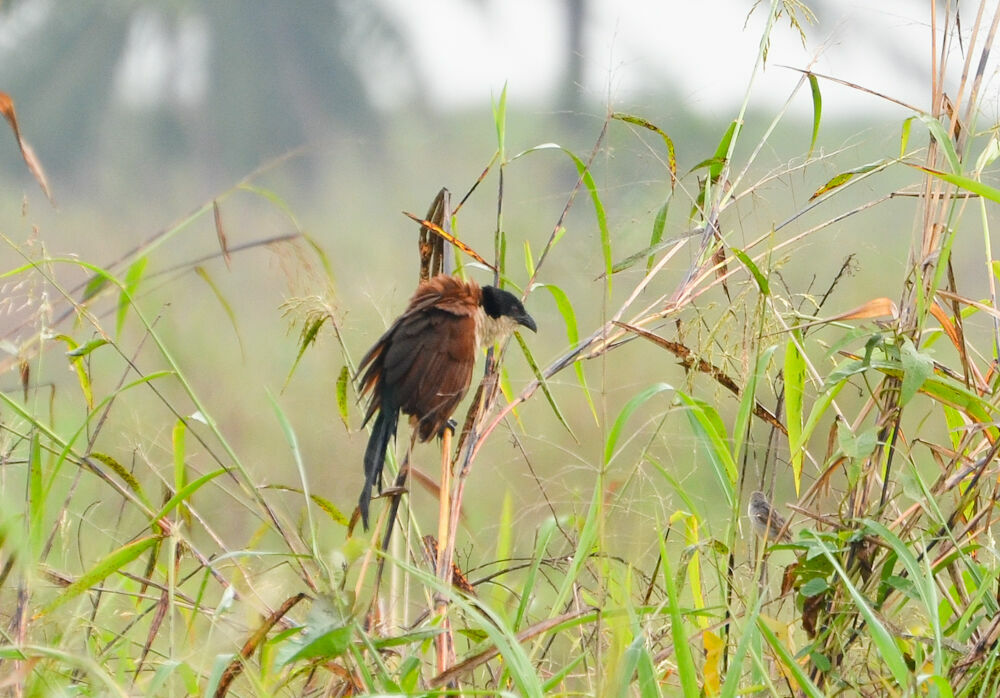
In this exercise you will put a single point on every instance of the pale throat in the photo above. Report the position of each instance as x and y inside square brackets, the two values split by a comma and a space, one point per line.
[490, 330]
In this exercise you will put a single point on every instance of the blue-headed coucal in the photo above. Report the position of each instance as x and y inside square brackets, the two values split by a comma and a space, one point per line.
[422, 365]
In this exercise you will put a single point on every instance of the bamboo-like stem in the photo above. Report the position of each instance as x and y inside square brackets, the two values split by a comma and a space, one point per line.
[444, 643]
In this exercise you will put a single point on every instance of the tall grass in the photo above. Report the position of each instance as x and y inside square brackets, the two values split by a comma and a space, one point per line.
[182, 565]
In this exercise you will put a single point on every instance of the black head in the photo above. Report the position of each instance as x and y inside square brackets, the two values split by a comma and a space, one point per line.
[498, 303]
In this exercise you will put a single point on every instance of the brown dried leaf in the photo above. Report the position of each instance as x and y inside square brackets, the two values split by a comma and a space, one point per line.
[235, 667]
[789, 577]
[30, 159]
[7, 109]
[719, 260]
[221, 233]
[458, 578]
[452, 239]
[811, 608]
[877, 307]
[24, 369]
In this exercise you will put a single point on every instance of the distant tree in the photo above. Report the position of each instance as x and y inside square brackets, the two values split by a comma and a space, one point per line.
[230, 83]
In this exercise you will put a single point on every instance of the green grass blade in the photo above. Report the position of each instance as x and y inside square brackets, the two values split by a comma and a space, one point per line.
[885, 643]
[550, 398]
[185, 493]
[795, 376]
[105, 567]
[686, 670]
[748, 399]
[293, 443]
[342, 381]
[131, 283]
[937, 131]
[573, 337]
[817, 99]
[626, 412]
[545, 533]
[967, 183]
[711, 432]
[36, 499]
[788, 661]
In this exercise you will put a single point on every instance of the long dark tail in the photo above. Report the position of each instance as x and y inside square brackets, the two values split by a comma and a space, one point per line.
[383, 430]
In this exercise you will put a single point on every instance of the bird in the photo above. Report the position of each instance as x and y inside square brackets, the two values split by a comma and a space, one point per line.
[422, 365]
[767, 523]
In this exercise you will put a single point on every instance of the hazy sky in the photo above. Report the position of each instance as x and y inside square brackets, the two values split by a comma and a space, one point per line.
[704, 49]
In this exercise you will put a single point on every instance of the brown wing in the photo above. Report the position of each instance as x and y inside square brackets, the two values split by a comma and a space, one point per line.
[428, 366]
[423, 363]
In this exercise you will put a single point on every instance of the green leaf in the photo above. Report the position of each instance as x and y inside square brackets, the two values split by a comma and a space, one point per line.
[626, 412]
[887, 648]
[550, 398]
[937, 131]
[722, 152]
[586, 541]
[185, 493]
[36, 498]
[845, 177]
[543, 536]
[573, 337]
[795, 375]
[327, 633]
[917, 368]
[83, 349]
[178, 438]
[708, 426]
[328, 507]
[645, 253]
[671, 154]
[966, 183]
[989, 154]
[817, 99]
[856, 446]
[308, 335]
[814, 587]
[122, 472]
[105, 567]
[748, 399]
[747, 637]
[132, 278]
[657, 235]
[500, 120]
[599, 212]
[293, 444]
[686, 670]
[81, 369]
[760, 279]
[904, 139]
[94, 286]
[342, 381]
[788, 661]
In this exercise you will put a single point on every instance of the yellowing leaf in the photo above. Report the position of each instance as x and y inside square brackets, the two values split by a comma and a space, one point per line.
[713, 653]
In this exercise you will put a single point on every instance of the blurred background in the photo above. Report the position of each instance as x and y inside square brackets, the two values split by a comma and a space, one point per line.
[337, 116]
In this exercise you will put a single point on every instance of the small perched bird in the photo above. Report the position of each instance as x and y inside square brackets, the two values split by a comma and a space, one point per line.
[767, 523]
[422, 365]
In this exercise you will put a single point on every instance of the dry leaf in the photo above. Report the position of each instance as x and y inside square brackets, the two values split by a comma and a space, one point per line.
[34, 165]
[452, 239]
[221, 234]
[877, 307]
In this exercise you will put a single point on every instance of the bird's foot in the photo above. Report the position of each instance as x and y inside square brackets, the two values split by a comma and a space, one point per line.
[451, 425]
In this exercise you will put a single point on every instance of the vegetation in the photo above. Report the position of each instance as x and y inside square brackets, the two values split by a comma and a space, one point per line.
[156, 539]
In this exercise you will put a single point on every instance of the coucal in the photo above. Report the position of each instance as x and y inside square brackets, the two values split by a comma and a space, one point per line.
[422, 365]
